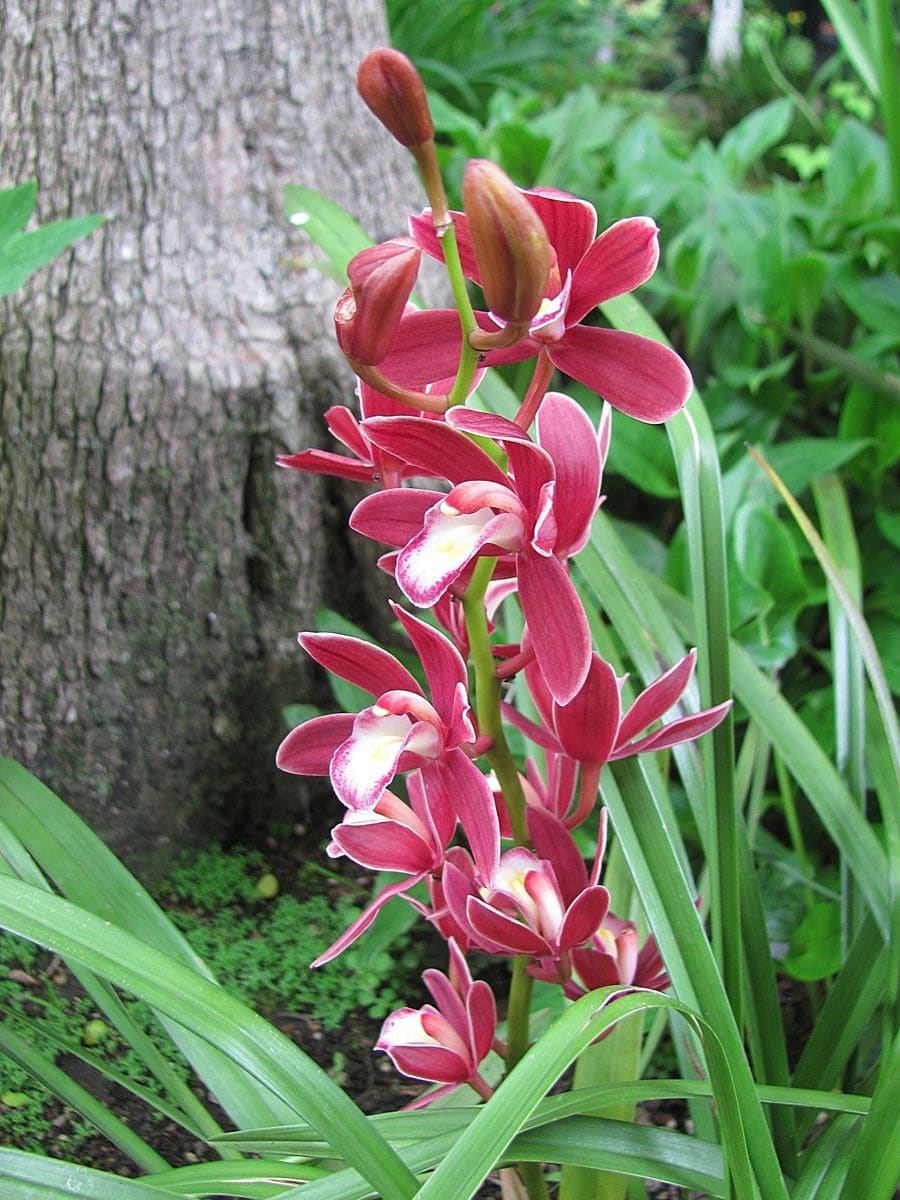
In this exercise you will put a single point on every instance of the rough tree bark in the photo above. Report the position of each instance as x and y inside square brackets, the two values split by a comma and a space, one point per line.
[155, 564]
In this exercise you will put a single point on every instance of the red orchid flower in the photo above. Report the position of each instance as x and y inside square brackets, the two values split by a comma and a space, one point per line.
[402, 731]
[541, 903]
[539, 514]
[394, 836]
[636, 375]
[447, 1041]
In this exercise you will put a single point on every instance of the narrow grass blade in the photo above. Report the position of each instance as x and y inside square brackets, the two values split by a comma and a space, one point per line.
[19, 1050]
[192, 1112]
[90, 875]
[206, 1010]
[847, 670]
[258, 1180]
[804, 758]
[825, 1163]
[107, 1071]
[857, 623]
[624, 1149]
[504, 1115]
[875, 1166]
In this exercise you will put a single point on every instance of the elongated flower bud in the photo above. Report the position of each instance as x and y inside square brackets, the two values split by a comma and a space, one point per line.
[369, 311]
[510, 243]
[393, 89]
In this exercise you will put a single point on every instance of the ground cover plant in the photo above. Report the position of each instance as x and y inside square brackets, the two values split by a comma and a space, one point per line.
[550, 733]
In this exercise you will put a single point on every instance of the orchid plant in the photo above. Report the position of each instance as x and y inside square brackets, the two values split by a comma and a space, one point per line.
[512, 784]
[480, 511]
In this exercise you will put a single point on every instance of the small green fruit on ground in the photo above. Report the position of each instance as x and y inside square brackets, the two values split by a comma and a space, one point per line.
[94, 1032]
[267, 886]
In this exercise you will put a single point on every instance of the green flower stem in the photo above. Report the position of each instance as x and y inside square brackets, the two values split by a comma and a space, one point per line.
[468, 359]
[487, 706]
[487, 699]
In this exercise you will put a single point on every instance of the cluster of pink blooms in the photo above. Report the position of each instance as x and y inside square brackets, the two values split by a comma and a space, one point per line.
[458, 485]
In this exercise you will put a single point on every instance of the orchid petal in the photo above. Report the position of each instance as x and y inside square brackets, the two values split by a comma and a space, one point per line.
[489, 425]
[555, 844]
[565, 431]
[481, 1009]
[365, 918]
[583, 917]
[444, 666]
[571, 224]
[556, 622]
[657, 699]
[588, 725]
[367, 761]
[496, 930]
[424, 234]
[393, 516]
[621, 259]
[383, 845]
[468, 791]
[434, 558]
[433, 448]
[638, 376]
[359, 662]
[309, 749]
[683, 730]
[325, 462]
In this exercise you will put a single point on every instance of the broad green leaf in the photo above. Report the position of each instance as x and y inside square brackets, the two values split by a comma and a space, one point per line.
[330, 227]
[745, 144]
[22, 255]
[874, 299]
[815, 949]
[16, 206]
[641, 454]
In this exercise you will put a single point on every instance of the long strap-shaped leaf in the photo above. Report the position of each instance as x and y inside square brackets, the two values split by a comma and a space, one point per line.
[90, 875]
[35, 1177]
[264, 1053]
[24, 1053]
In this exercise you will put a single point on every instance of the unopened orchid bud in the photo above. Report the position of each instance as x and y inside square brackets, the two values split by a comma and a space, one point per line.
[393, 89]
[510, 243]
[368, 313]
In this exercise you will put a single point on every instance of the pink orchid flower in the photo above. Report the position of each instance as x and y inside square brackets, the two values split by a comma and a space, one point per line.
[613, 957]
[539, 512]
[402, 731]
[592, 730]
[444, 1042]
[634, 374]
[393, 836]
[369, 463]
[543, 904]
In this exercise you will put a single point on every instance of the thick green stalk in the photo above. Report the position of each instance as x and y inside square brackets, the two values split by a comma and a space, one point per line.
[487, 699]
[490, 724]
[468, 358]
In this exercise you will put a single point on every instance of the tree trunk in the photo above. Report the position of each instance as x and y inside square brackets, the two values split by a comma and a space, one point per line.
[724, 43]
[156, 565]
